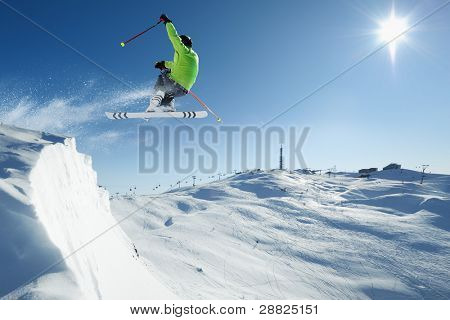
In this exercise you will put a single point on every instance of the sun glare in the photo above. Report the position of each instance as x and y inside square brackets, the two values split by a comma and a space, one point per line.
[390, 29]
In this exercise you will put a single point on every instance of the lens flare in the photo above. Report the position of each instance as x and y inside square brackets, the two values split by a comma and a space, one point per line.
[391, 29]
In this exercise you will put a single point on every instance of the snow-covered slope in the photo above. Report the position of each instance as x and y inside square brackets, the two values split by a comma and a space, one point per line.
[57, 234]
[287, 235]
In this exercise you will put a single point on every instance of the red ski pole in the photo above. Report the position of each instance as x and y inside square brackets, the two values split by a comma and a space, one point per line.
[205, 106]
[139, 34]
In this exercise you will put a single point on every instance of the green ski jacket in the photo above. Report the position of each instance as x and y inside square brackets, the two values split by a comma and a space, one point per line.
[184, 67]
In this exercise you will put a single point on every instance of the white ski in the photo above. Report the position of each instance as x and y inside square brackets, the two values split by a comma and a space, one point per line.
[149, 115]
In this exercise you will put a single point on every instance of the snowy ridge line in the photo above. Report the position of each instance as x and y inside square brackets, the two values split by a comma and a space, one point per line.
[288, 235]
[69, 211]
[17, 293]
[25, 288]
[354, 189]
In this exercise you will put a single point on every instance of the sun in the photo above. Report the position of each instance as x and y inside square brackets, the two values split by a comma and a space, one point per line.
[390, 29]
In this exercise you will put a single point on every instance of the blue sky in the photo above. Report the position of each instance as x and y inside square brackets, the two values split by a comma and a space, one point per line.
[257, 59]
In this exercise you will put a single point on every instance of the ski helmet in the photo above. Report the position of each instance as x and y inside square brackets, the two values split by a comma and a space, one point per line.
[187, 41]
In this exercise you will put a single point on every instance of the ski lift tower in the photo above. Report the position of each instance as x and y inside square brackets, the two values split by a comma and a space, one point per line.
[281, 158]
[423, 167]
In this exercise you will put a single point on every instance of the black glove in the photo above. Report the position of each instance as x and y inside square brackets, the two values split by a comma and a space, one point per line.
[160, 65]
[164, 18]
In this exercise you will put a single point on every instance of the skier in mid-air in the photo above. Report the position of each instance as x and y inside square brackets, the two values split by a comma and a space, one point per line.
[176, 80]
[178, 76]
